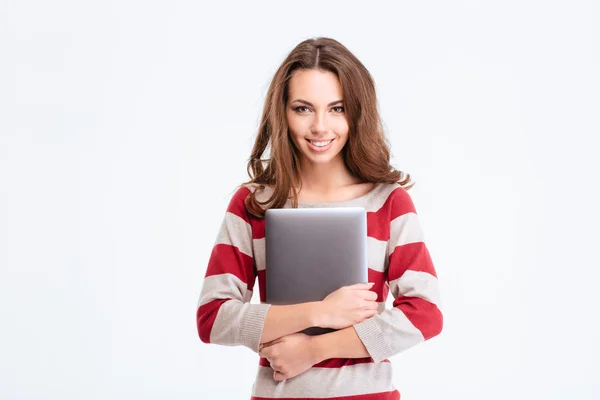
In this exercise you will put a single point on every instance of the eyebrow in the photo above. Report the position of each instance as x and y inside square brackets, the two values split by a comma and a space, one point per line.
[310, 104]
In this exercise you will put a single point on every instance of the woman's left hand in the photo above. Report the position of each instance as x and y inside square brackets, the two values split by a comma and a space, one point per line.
[290, 355]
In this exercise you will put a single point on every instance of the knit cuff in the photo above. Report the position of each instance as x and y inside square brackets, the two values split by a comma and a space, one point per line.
[252, 325]
[370, 334]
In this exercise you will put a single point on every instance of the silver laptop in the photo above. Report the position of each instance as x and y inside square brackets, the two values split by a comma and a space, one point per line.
[312, 252]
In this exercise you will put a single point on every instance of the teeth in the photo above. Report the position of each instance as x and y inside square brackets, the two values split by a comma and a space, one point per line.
[320, 144]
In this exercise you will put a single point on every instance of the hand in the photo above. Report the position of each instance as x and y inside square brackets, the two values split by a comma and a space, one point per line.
[290, 355]
[348, 305]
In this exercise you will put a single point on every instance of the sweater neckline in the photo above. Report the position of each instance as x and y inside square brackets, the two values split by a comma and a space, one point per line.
[351, 202]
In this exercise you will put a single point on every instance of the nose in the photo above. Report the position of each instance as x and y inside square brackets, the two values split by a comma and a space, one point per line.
[318, 126]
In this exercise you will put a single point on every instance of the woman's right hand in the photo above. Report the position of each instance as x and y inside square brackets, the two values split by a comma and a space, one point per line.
[347, 306]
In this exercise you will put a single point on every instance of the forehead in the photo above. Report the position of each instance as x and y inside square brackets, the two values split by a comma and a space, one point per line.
[314, 86]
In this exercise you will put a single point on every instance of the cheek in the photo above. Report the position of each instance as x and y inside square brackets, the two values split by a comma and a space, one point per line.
[342, 129]
[294, 135]
[295, 126]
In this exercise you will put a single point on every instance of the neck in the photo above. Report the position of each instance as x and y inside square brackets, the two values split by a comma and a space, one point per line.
[325, 178]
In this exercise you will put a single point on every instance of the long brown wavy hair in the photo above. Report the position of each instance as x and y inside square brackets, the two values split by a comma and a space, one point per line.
[367, 152]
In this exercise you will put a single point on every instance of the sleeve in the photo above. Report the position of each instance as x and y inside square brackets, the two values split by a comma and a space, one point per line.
[415, 316]
[224, 313]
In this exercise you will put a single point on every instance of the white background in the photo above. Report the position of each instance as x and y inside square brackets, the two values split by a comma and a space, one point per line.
[125, 126]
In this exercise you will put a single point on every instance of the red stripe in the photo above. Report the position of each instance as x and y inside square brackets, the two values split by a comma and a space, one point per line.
[330, 363]
[228, 259]
[413, 256]
[378, 224]
[425, 316]
[397, 203]
[258, 228]
[386, 292]
[402, 203]
[262, 285]
[393, 395]
[379, 279]
[205, 318]
[237, 203]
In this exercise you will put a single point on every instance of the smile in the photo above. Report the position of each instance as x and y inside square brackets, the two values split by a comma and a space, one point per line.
[320, 145]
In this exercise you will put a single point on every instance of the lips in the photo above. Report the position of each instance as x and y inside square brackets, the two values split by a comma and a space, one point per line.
[319, 145]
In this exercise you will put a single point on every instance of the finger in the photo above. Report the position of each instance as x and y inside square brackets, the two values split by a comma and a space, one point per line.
[371, 296]
[370, 305]
[272, 342]
[361, 286]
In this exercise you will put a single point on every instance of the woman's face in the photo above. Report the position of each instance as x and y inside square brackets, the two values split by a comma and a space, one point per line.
[316, 117]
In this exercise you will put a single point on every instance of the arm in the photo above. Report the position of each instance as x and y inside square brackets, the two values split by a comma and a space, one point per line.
[224, 314]
[293, 354]
[415, 316]
[344, 343]
[284, 320]
[340, 309]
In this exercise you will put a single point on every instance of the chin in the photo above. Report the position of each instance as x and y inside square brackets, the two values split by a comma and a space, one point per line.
[320, 159]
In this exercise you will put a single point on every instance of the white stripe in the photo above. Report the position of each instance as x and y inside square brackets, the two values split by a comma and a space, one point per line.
[223, 286]
[395, 325]
[326, 382]
[388, 334]
[378, 198]
[377, 254]
[228, 322]
[236, 232]
[417, 284]
[259, 254]
[239, 323]
[405, 229]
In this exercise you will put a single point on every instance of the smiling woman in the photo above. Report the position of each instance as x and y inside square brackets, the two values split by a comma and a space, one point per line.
[328, 149]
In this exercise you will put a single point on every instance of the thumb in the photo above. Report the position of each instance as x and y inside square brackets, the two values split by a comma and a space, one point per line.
[362, 286]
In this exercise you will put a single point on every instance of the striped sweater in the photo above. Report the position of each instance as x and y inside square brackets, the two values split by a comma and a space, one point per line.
[398, 261]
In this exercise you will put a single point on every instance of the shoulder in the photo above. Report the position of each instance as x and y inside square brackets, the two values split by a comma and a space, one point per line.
[394, 198]
[402, 199]
[237, 204]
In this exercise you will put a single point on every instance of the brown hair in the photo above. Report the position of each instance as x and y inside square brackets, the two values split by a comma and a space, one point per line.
[367, 152]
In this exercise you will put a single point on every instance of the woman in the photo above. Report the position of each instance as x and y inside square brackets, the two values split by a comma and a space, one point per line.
[327, 149]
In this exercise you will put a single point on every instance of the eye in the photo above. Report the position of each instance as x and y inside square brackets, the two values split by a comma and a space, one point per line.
[301, 109]
[339, 109]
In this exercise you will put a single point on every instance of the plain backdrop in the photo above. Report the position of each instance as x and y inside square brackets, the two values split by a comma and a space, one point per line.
[125, 127]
